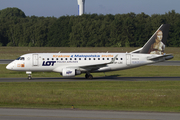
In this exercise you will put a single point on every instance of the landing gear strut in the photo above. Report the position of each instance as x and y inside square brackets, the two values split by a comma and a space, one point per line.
[88, 76]
[29, 75]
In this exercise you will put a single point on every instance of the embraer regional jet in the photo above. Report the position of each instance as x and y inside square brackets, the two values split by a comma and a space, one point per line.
[72, 64]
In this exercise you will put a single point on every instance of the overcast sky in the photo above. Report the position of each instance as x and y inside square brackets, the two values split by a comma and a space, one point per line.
[58, 8]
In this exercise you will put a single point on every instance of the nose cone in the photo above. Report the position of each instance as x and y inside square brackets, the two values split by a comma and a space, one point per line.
[9, 66]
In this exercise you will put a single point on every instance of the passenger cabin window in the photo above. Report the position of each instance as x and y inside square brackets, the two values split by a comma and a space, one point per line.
[107, 58]
[89, 58]
[56, 58]
[61, 58]
[98, 58]
[52, 58]
[47, 58]
[94, 58]
[116, 58]
[74, 58]
[103, 59]
[84, 58]
[66, 58]
[70, 58]
[79, 58]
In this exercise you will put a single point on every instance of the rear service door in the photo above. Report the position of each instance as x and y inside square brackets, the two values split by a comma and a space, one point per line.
[128, 59]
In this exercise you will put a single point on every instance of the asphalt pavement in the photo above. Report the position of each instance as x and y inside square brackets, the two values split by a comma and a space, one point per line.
[73, 114]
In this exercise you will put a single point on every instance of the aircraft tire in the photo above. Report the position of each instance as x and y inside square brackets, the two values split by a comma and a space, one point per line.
[29, 78]
[86, 76]
[90, 77]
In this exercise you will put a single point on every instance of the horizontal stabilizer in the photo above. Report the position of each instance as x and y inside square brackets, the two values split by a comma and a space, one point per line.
[166, 57]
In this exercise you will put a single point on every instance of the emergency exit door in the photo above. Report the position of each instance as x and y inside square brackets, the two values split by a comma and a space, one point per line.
[35, 59]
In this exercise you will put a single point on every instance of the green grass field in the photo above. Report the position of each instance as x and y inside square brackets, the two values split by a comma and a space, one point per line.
[96, 95]
[161, 96]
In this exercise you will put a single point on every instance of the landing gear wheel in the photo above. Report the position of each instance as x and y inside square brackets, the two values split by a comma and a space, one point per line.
[88, 76]
[29, 78]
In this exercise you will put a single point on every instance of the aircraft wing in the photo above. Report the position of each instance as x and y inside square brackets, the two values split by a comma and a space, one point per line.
[90, 67]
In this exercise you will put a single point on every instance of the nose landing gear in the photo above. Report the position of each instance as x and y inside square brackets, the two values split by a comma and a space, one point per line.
[29, 75]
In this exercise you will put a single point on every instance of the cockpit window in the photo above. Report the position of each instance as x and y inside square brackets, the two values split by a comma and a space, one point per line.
[20, 58]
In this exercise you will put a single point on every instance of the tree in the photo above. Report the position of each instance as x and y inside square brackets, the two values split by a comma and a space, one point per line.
[59, 32]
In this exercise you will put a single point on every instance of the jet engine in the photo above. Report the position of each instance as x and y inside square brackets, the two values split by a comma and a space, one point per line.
[69, 72]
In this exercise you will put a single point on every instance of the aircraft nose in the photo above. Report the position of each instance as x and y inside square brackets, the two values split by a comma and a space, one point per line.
[9, 66]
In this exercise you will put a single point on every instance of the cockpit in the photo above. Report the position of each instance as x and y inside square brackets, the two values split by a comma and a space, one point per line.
[20, 58]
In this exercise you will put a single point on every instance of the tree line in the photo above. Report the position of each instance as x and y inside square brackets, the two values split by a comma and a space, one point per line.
[88, 30]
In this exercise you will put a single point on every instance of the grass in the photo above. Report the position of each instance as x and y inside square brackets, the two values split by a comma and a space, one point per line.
[97, 95]
[15, 52]
[161, 96]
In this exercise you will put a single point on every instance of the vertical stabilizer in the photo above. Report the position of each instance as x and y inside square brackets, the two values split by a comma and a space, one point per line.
[156, 44]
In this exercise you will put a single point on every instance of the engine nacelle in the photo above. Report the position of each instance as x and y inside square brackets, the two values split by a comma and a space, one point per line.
[69, 72]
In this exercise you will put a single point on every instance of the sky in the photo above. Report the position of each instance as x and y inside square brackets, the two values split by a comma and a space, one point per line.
[58, 8]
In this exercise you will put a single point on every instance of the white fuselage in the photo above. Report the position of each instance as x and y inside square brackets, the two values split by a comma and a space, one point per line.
[91, 62]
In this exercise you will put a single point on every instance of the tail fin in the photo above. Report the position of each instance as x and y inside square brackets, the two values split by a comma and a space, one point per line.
[156, 44]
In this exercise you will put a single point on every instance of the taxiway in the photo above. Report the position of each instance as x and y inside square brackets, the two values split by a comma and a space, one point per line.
[107, 78]
[45, 114]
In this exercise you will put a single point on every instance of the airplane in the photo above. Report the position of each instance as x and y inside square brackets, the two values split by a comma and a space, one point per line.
[72, 64]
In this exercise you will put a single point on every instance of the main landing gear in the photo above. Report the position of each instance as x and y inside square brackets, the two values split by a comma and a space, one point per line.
[29, 75]
[88, 76]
